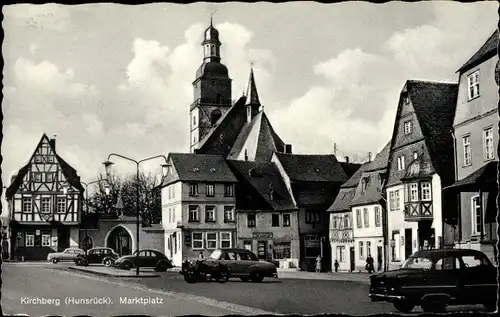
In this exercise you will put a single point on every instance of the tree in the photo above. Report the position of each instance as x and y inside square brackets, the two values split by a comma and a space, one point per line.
[149, 197]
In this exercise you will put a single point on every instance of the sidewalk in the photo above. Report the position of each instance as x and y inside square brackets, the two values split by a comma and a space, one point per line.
[111, 271]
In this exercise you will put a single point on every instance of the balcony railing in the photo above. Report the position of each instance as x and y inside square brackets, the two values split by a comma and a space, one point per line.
[418, 210]
[341, 235]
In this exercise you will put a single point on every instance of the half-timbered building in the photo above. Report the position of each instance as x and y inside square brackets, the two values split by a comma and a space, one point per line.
[44, 201]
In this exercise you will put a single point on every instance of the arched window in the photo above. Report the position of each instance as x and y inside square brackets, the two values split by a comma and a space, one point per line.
[215, 116]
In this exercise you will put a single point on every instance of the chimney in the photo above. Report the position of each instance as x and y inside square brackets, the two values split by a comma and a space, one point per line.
[369, 156]
[347, 159]
[249, 114]
[53, 142]
[288, 148]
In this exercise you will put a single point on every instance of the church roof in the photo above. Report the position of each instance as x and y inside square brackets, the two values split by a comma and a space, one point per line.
[212, 69]
[312, 168]
[200, 167]
[261, 186]
[488, 50]
[252, 95]
[258, 139]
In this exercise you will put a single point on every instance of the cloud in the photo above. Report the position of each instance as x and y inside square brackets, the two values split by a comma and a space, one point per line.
[48, 16]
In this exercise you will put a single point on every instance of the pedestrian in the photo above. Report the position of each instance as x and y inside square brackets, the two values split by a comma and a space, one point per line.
[369, 263]
[200, 256]
[336, 264]
[318, 264]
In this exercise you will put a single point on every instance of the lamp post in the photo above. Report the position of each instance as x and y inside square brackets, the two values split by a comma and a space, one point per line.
[65, 191]
[108, 164]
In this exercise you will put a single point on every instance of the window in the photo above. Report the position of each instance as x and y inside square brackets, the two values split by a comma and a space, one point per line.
[30, 240]
[335, 223]
[50, 158]
[360, 249]
[426, 191]
[286, 220]
[473, 85]
[313, 217]
[197, 240]
[251, 220]
[472, 261]
[312, 246]
[408, 127]
[228, 190]
[27, 205]
[421, 263]
[447, 264]
[46, 240]
[341, 254]
[275, 220]
[50, 177]
[401, 163]
[228, 213]
[210, 190]
[368, 248]
[415, 155]
[247, 245]
[193, 189]
[38, 159]
[37, 177]
[358, 218]
[467, 150]
[366, 218]
[194, 121]
[394, 200]
[282, 250]
[211, 240]
[377, 216]
[346, 221]
[194, 214]
[488, 144]
[364, 184]
[61, 205]
[225, 240]
[209, 213]
[45, 205]
[476, 216]
[414, 192]
[406, 98]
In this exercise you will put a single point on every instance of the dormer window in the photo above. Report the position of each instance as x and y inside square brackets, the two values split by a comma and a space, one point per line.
[473, 85]
[401, 163]
[364, 185]
[415, 155]
[408, 127]
[406, 98]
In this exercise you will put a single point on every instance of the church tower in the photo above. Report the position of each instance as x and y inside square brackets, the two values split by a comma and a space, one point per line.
[212, 89]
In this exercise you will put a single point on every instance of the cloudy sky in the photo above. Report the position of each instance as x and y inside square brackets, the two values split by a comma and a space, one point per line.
[112, 78]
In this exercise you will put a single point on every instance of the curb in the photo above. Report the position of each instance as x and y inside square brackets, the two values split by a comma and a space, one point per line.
[111, 274]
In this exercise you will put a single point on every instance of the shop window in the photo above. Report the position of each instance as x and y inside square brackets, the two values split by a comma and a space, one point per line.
[312, 246]
[282, 250]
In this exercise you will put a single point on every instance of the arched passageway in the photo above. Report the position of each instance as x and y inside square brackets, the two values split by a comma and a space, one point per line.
[119, 239]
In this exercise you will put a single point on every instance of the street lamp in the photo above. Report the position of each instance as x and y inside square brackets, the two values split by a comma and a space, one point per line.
[108, 165]
[106, 189]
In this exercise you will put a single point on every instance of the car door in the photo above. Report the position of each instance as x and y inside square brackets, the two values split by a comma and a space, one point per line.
[65, 255]
[444, 277]
[479, 277]
[142, 258]
[151, 259]
[229, 259]
[244, 262]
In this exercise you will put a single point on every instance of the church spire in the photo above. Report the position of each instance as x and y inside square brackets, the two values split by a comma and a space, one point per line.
[252, 95]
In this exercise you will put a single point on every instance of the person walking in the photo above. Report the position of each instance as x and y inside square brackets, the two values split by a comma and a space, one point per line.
[200, 256]
[318, 264]
[336, 264]
[369, 264]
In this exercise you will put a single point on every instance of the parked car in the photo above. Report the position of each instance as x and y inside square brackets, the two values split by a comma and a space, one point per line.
[434, 279]
[68, 254]
[106, 256]
[146, 258]
[243, 263]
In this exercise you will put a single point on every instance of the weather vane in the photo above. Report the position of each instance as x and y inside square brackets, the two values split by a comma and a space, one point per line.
[212, 8]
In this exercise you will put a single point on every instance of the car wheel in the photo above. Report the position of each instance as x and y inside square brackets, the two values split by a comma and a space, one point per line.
[434, 305]
[491, 305]
[403, 306]
[55, 261]
[126, 266]
[223, 276]
[256, 277]
[244, 279]
[107, 262]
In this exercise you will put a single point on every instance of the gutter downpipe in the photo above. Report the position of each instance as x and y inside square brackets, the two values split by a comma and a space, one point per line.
[459, 206]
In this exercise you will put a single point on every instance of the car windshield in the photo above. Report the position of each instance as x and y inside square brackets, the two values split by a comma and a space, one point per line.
[215, 255]
[420, 263]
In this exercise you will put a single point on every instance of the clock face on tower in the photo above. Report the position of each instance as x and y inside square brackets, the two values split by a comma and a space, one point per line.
[497, 73]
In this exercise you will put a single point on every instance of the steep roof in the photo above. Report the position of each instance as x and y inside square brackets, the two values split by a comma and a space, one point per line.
[312, 168]
[350, 168]
[435, 105]
[265, 181]
[258, 139]
[372, 193]
[343, 200]
[252, 95]
[488, 50]
[381, 159]
[200, 167]
[68, 171]
[354, 179]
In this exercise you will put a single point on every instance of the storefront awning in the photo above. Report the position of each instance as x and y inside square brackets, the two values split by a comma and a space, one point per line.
[484, 179]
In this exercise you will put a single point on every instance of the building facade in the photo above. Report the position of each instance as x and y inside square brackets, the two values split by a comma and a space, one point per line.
[45, 203]
[420, 165]
[198, 206]
[476, 140]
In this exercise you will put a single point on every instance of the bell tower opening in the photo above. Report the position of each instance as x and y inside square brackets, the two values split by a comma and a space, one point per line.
[215, 116]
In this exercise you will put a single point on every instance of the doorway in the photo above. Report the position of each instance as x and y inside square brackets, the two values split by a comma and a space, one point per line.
[379, 258]
[262, 250]
[352, 259]
[63, 237]
[408, 243]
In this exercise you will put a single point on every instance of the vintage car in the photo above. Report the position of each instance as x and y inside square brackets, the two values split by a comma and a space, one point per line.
[106, 256]
[243, 264]
[146, 258]
[68, 254]
[434, 279]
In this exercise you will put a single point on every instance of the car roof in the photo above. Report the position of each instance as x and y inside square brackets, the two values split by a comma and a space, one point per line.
[441, 252]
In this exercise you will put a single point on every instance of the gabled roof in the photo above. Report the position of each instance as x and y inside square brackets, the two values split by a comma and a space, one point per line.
[200, 167]
[372, 193]
[484, 178]
[350, 168]
[354, 179]
[258, 139]
[488, 50]
[312, 168]
[381, 159]
[343, 200]
[263, 180]
[69, 172]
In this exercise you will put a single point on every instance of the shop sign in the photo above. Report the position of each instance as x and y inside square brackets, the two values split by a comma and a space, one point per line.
[262, 235]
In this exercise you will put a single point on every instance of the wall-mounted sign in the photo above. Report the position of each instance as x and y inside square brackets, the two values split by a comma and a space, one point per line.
[37, 232]
[262, 235]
